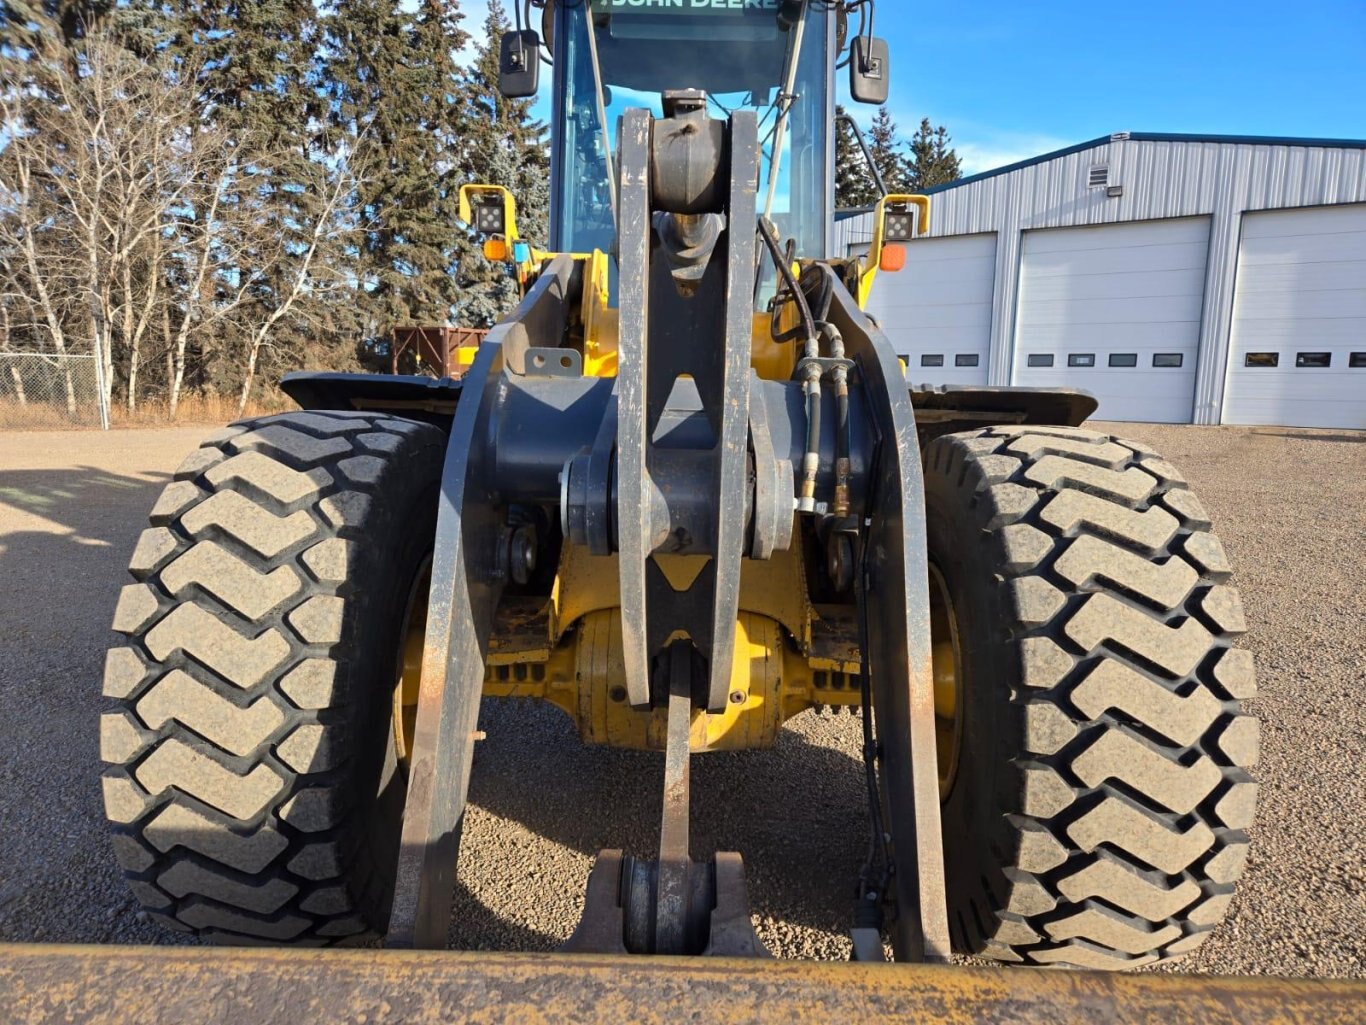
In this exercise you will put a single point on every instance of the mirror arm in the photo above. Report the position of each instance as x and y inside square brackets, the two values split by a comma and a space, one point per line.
[867, 153]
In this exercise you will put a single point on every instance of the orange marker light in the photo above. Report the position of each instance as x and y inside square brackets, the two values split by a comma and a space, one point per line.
[495, 250]
[893, 258]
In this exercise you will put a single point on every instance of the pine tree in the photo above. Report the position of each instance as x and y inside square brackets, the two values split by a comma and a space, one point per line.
[393, 81]
[886, 149]
[433, 218]
[260, 82]
[853, 185]
[260, 61]
[932, 160]
[502, 146]
[20, 19]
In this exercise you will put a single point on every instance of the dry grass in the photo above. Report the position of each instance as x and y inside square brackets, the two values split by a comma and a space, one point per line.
[45, 416]
[193, 409]
[198, 409]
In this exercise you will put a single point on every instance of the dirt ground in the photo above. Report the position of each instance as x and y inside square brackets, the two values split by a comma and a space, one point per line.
[1290, 506]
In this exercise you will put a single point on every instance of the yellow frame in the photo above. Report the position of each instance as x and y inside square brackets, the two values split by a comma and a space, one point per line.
[773, 630]
[873, 260]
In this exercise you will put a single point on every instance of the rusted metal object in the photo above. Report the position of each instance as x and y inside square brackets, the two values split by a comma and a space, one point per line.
[465, 589]
[118, 985]
[431, 347]
[675, 862]
[632, 471]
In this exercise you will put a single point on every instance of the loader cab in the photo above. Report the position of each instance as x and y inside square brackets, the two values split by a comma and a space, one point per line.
[736, 53]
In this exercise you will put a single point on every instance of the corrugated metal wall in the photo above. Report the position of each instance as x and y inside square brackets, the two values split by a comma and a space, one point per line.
[1159, 179]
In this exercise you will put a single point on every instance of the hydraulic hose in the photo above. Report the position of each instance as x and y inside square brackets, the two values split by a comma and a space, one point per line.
[789, 281]
[811, 371]
[877, 838]
[843, 429]
[811, 461]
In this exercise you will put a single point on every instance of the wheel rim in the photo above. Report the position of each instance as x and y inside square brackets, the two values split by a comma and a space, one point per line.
[408, 672]
[946, 661]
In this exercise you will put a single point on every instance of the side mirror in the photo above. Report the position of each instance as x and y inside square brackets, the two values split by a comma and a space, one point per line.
[869, 70]
[519, 64]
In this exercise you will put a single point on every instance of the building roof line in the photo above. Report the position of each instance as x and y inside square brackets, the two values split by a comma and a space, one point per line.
[1226, 140]
[1104, 140]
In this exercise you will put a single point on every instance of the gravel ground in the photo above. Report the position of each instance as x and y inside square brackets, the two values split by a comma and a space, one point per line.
[1288, 504]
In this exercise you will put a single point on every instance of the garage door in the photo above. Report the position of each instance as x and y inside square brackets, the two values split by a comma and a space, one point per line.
[1115, 309]
[937, 309]
[1298, 352]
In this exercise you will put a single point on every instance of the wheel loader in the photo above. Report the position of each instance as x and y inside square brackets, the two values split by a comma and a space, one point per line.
[684, 493]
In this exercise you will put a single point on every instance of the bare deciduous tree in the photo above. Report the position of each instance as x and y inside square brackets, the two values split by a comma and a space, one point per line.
[128, 221]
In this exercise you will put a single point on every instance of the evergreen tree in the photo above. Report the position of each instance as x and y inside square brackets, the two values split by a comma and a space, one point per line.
[20, 19]
[260, 81]
[502, 146]
[394, 82]
[434, 220]
[853, 185]
[932, 160]
[927, 161]
[260, 61]
[886, 149]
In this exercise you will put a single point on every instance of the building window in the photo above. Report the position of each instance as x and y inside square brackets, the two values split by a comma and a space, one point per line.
[1262, 359]
[1081, 359]
[965, 359]
[932, 361]
[1357, 360]
[1167, 359]
[1313, 359]
[1040, 359]
[1123, 359]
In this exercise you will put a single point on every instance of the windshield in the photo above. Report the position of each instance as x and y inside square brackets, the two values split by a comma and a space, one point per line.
[736, 55]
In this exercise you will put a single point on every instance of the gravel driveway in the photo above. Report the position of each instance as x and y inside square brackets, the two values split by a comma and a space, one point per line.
[1290, 506]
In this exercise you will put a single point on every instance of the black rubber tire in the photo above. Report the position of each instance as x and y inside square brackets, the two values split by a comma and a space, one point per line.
[1099, 813]
[251, 785]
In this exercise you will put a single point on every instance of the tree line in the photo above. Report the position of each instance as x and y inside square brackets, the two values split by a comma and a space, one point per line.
[926, 160]
[206, 194]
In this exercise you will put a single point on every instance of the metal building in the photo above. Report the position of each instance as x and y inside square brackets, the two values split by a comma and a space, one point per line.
[1179, 278]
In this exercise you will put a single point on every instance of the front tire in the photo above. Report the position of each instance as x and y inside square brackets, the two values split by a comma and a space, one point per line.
[252, 786]
[1099, 803]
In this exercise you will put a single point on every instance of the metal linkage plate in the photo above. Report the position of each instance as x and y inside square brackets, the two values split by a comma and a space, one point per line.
[666, 331]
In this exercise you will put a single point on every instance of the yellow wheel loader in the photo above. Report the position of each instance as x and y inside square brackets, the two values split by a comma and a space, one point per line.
[684, 493]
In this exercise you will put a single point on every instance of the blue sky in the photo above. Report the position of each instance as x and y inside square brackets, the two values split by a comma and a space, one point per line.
[1012, 80]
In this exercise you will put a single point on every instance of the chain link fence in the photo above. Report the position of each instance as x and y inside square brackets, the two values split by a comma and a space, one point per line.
[39, 389]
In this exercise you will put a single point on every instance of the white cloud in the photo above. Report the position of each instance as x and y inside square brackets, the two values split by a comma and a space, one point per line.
[986, 151]
[980, 146]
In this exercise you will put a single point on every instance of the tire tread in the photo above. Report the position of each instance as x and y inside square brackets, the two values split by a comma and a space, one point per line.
[226, 738]
[1133, 800]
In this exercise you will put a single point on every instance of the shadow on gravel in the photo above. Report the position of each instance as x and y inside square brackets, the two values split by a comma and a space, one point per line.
[796, 813]
[476, 926]
[62, 571]
[1347, 437]
[80, 497]
[65, 539]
